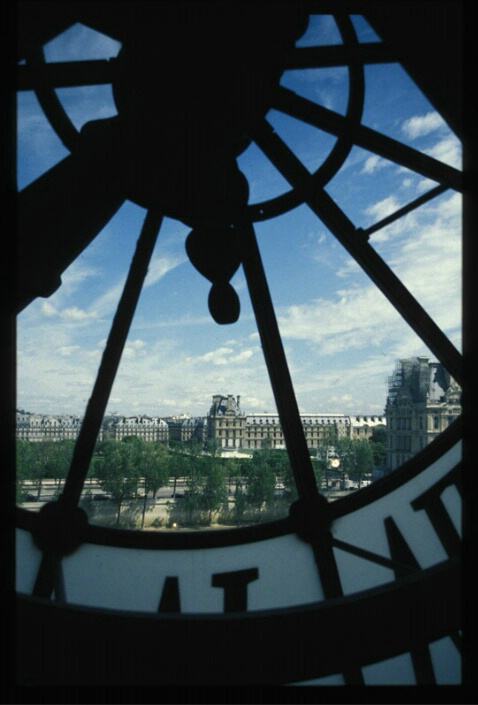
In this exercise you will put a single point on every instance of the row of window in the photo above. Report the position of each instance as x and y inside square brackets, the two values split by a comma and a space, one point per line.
[424, 422]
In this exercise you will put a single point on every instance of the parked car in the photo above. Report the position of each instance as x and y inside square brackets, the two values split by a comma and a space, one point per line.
[31, 498]
[101, 497]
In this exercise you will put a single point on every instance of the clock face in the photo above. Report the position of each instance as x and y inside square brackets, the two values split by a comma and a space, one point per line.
[224, 166]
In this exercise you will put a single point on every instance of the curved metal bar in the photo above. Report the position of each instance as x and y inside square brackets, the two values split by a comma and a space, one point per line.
[292, 104]
[49, 100]
[341, 149]
[65, 74]
[329, 56]
[306, 642]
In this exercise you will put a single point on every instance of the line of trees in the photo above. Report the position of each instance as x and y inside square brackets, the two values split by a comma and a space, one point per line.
[233, 490]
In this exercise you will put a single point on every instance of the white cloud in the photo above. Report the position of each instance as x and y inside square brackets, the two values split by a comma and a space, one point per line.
[76, 314]
[47, 309]
[67, 350]
[338, 346]
[356, 319]
[76, 275]
[448, 151]
[373, 164]
[349, 268]
[225, 356]
[383, 208]
[72, 313]
[428, 262]
[133, 348]
[425, 185]
[160, 266]
[421, 125]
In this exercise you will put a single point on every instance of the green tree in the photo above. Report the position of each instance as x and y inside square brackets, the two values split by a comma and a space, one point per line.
[213, 487]
[193, 446]
[42, 455]
[178, 466]
[379, 435]
[213, 447]
[378, 442]
[240, 502]
[260, 482]
[319, 468]
[191, 502]
[151, 462]
[325, 447]
[60, 460]
[117, 472]
[232, 469]
[379, 453]
[363, 461]
[356, 458]
[23, 468]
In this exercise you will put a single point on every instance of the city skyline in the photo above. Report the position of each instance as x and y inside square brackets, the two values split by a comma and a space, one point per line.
[341, 337]
[186, 415]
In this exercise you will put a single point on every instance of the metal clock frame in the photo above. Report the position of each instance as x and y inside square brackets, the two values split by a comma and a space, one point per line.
[311, 517]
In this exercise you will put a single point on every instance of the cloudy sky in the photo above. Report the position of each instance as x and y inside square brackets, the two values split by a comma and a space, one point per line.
[341, 336]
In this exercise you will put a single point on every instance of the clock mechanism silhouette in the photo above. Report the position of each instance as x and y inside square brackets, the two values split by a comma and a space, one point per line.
[334, 590]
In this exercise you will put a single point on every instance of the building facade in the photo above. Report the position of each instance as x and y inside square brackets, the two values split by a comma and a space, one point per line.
[231, 429]
[39, 428]
[364, 426]
[226, 427]
[423, 400]
[187, 428]
[226, 423]
[148, 428]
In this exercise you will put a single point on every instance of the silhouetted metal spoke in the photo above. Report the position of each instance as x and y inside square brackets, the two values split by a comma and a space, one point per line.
[342, 55]
[277, 366]
[373, 557]
[48, 98]
[370, 261]
[294, 105]
[65, 74]
[289, 415]
[433, 193]
[96, 407]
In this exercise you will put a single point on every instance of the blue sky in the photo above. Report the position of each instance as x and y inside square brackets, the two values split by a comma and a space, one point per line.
[342, 338]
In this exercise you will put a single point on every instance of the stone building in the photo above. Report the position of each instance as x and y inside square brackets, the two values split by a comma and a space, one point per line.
[364, 426]
[187, 428]
[423, 400]
[38, 427]
[116, 428]
[226, 422]
[266, 429]
[230, 428]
